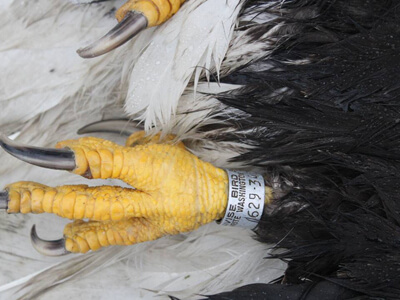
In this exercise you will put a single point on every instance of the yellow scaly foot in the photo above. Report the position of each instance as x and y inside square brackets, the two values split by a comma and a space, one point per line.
[175, 192]
[133, 17]
[155, 11]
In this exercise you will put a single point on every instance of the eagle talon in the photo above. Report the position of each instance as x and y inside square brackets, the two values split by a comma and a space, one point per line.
[119, 126]
[48, 248]
[3, 199]
[134, 16]
[58, 159]
[131, 25]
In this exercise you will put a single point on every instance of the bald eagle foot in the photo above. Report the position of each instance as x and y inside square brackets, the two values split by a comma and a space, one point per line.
[133, 17]
[172, 191]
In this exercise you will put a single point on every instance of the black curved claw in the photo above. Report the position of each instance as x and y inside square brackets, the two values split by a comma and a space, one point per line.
[3, 199]
[48, 248]
[58, 159]
[120, 126]
[131, 25]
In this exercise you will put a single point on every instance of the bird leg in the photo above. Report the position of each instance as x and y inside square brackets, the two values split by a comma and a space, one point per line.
[172, 191]
[133, 17]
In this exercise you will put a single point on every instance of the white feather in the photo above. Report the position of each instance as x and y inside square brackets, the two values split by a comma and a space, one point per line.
[39, 65]
[209, 260]
[196, 38]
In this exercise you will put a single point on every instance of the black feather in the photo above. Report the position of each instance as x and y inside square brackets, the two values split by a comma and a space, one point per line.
[323, 290]
[322, 115]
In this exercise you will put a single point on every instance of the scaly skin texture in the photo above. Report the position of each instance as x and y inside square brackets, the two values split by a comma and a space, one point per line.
[156, 11]
[175, 192]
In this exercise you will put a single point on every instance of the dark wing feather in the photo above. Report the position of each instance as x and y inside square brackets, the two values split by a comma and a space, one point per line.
[322, 116]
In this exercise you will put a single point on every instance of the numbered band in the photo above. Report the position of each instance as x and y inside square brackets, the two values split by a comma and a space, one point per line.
[245, 201]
